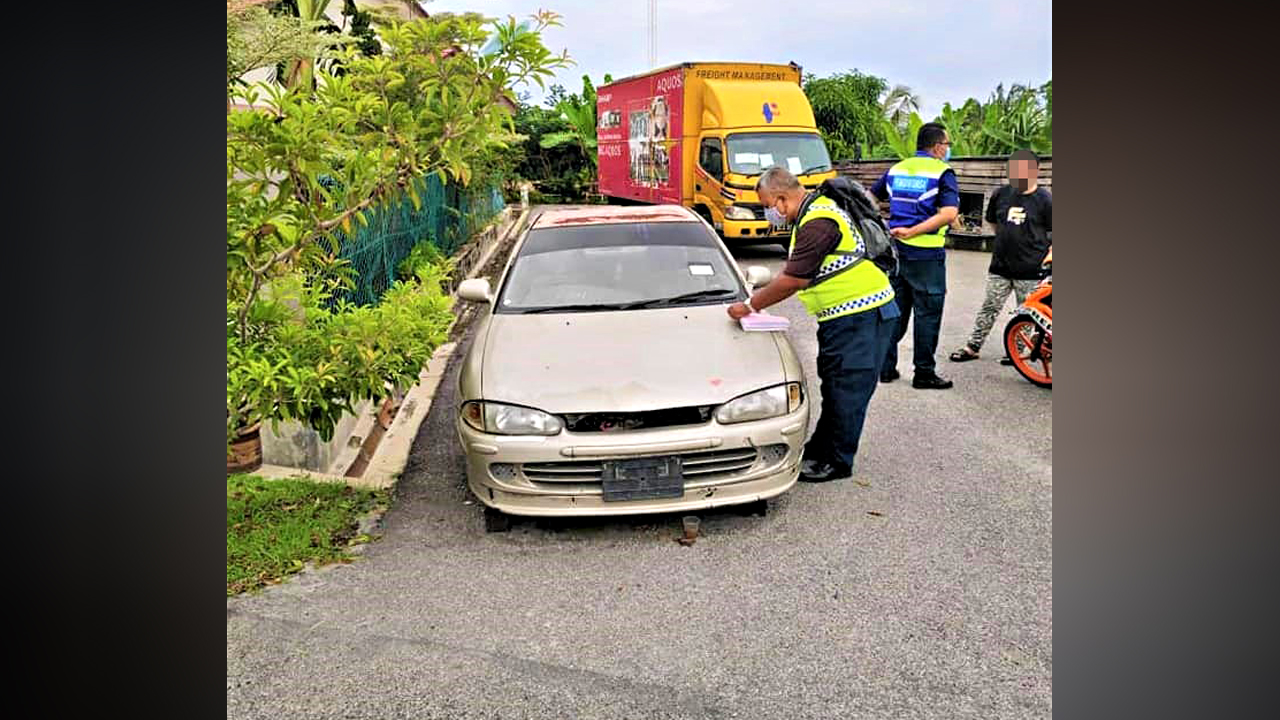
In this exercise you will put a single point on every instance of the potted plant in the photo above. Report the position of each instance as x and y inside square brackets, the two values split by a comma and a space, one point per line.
[312, 363]
[322, 159]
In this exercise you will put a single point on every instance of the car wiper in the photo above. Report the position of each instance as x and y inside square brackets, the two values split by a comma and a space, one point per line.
[573, 308]
[823, 167]
[686, 297]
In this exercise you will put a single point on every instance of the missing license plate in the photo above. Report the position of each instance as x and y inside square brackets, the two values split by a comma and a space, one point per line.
[643, 479]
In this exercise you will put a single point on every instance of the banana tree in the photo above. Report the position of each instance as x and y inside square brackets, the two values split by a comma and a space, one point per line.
[902, 143]
[1017, 121]
[958, 131]
[1046, 91]
[579, 111]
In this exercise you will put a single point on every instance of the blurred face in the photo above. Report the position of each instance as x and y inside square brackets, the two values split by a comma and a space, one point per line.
[781, 203]
[1022, 173]
[944, 145]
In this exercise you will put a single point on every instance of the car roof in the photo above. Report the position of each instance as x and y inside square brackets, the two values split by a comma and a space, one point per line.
[612, 214]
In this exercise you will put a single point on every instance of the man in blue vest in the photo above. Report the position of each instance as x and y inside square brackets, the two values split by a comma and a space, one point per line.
[852, 301]
[924, 199]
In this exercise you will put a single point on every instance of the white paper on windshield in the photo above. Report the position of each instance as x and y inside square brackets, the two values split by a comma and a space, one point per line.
[701, 270]
[793, 164]
[746, 159]
[766, 159]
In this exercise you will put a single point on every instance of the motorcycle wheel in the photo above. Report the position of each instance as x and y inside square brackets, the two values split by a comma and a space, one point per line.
[1021, 337]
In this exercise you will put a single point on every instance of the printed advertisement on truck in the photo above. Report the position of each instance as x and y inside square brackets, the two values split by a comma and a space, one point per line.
[638, 133]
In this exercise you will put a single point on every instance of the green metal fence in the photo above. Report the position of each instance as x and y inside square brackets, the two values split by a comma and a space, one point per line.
[449, 215]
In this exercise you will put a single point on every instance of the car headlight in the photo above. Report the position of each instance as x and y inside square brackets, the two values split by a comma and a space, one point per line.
[772, 402]
[737, 212]
[502, 419]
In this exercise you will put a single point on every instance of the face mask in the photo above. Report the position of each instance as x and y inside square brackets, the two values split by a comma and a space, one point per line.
[1022, 184]
[774, 217]
[947, 157]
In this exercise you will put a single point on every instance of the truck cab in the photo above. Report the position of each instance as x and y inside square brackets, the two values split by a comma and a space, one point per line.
[701, 133]
[729, 164]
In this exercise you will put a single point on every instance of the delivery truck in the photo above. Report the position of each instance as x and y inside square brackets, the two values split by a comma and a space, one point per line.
[699, 134]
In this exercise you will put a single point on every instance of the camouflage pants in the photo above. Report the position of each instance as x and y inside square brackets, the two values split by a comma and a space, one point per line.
[998, 289]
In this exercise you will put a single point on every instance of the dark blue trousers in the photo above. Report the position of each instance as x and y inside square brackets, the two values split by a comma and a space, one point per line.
[921, 287]
[851, 350]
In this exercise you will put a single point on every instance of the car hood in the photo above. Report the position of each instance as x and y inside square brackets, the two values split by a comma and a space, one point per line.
[627, 361]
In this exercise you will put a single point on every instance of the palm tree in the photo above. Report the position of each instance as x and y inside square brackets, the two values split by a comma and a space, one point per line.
[899, 103]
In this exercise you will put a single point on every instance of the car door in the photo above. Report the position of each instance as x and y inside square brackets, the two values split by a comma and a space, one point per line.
[708, 181]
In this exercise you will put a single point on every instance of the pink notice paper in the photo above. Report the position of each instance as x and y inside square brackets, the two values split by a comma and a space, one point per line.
[761, 322]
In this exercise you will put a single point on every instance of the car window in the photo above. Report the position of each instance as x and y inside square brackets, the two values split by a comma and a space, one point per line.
[618, 264]
[712, 158]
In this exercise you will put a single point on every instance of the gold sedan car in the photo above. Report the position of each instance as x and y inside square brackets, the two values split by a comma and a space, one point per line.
[606, 377]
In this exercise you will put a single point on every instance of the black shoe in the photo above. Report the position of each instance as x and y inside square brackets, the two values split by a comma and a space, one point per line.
[888, 376]
[1006, 360]
[824, 472]
[930, 382]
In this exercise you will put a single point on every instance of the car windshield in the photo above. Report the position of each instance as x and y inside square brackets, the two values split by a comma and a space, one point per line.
[618, 267]
[801, 153]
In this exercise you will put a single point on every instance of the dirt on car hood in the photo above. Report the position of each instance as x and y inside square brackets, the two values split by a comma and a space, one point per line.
[625, 361]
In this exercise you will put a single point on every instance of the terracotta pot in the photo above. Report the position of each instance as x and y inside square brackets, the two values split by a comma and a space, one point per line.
[245, 453]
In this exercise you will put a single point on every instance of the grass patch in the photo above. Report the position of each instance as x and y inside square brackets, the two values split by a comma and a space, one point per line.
[275, 527]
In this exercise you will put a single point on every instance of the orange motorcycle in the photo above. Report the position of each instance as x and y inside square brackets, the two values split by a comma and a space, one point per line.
[1028, 338]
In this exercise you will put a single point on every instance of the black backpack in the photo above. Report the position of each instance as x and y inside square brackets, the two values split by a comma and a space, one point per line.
[865, 213]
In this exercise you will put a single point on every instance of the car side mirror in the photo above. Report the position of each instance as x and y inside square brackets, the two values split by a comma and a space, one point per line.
[475, 290]
[757, 276]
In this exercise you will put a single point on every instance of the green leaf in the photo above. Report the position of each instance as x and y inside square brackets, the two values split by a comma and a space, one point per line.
[557, 139]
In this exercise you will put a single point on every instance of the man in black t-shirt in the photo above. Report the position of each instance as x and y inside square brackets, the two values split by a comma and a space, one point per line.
[1022, 212]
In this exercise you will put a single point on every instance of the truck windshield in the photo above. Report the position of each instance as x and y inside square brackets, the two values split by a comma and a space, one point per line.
[801, 153]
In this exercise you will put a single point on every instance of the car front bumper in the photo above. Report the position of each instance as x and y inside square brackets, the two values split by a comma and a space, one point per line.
[511, 474]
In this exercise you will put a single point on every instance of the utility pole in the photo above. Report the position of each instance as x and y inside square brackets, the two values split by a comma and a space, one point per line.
[653, 34]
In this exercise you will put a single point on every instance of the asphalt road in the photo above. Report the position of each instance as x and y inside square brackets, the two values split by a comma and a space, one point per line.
[922, 589]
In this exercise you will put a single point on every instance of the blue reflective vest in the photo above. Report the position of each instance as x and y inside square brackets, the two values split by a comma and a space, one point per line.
[913, 186]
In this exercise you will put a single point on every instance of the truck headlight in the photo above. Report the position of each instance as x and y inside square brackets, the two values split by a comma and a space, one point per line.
[768, 403]
[502, 419]
[737, 212]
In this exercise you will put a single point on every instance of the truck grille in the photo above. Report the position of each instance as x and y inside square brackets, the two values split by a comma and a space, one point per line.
[698, 467]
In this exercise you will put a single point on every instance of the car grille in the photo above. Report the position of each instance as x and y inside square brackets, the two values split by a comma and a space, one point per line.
[698, 467]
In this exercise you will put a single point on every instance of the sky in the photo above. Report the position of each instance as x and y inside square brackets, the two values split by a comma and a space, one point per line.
[944, 50]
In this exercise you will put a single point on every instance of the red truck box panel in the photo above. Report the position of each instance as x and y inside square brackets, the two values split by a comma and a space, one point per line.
[639, 137]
